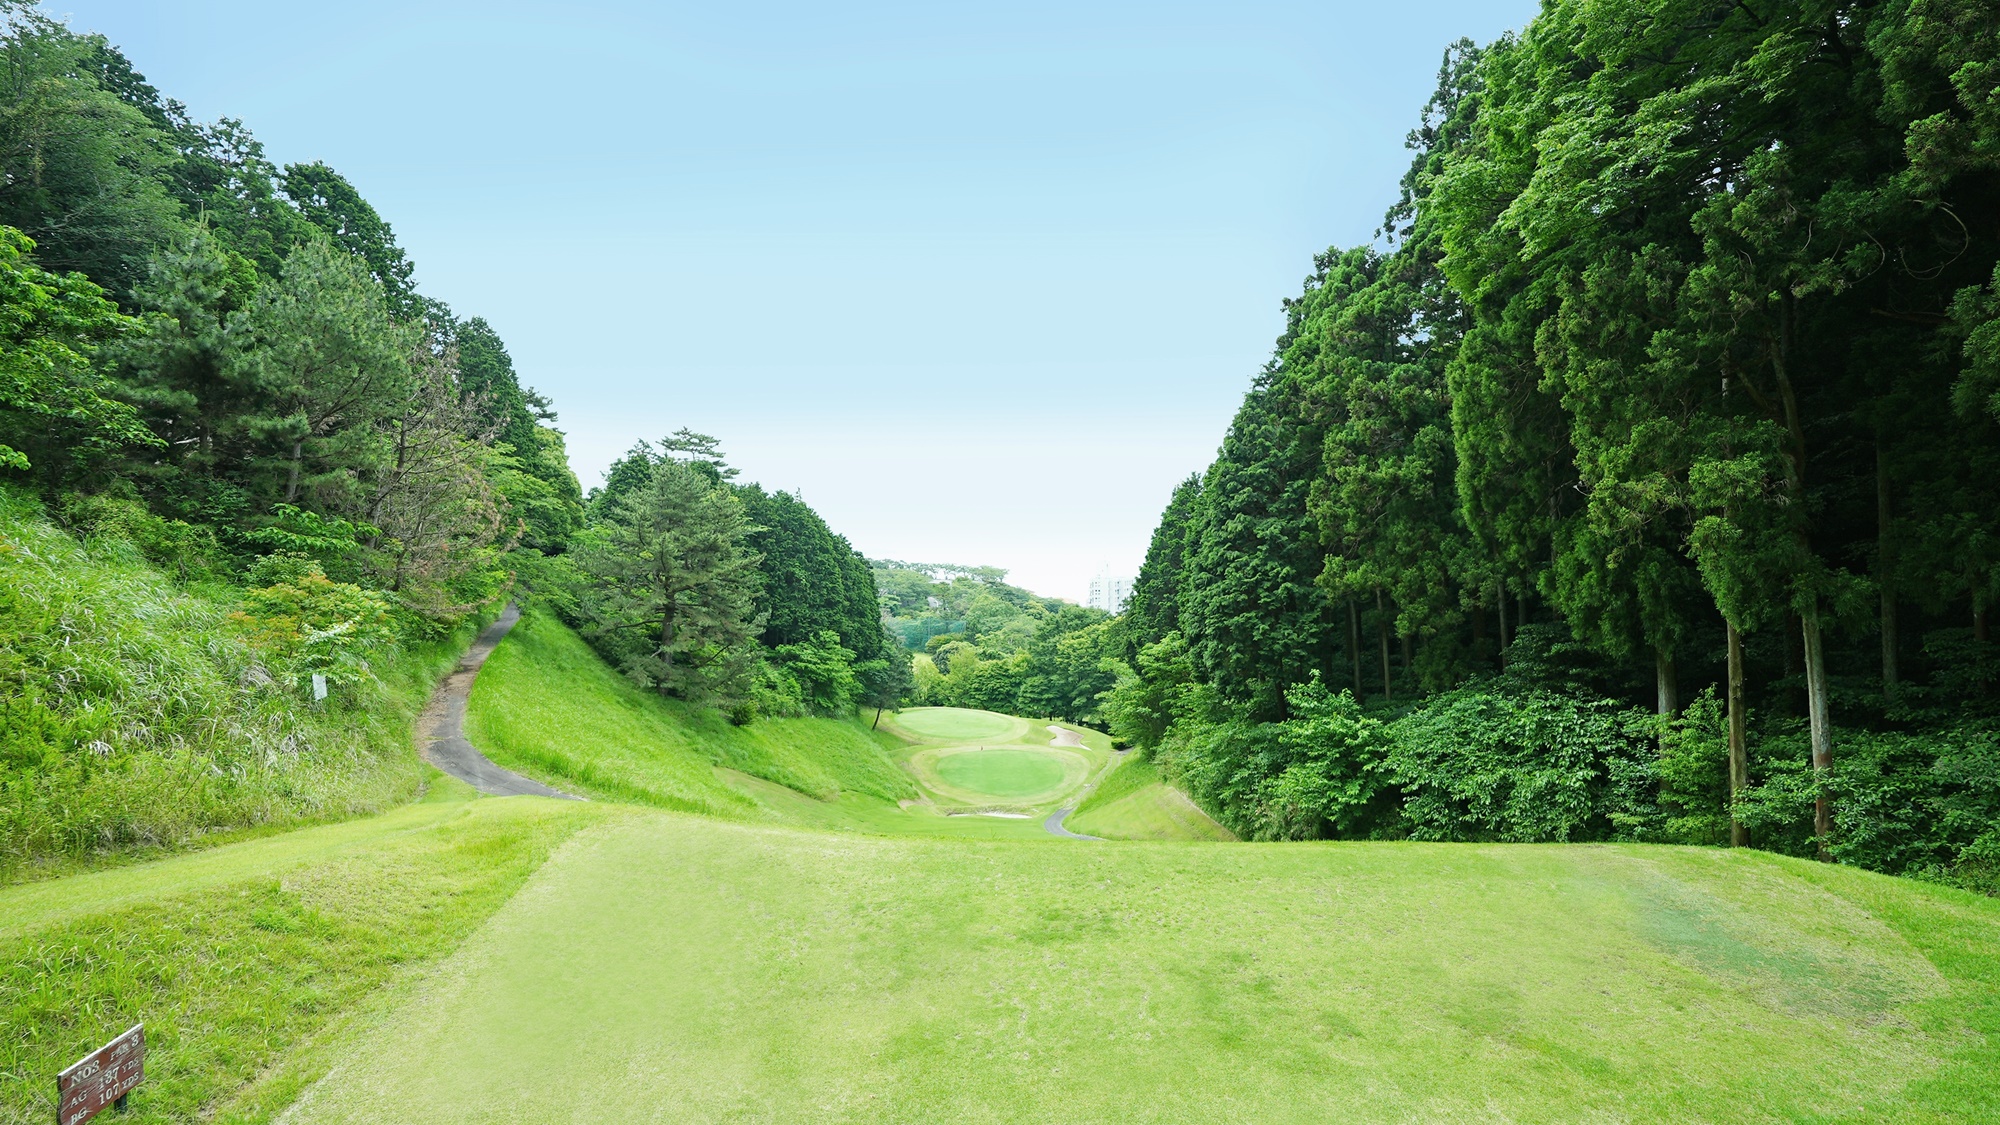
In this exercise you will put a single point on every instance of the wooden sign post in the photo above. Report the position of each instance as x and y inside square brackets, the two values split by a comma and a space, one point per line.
[101, 1078]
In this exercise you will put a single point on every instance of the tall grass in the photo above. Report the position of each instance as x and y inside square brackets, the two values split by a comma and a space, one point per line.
[134, 717]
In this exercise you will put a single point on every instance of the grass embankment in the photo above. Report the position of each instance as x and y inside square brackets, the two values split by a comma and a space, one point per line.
[234, 957]
[545, 705]
[888, 980]
[1132, 803]
[134, 719]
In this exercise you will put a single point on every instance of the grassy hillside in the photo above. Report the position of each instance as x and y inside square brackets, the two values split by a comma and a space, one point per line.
[235, 956]
[849, 979]
[136, 718]
[1132, 803]
[547, 706]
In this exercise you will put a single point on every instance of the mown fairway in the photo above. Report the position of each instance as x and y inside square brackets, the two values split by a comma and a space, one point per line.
[668, 968]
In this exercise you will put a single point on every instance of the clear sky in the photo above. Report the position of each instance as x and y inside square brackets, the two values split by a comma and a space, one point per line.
[982, 282]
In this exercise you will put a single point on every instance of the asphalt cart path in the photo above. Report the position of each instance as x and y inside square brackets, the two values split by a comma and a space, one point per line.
[1054, 824]
[443, 724]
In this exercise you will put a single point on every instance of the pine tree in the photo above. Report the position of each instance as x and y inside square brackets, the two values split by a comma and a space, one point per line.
[671, 586]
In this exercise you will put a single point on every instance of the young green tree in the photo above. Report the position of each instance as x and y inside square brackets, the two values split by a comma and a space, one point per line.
[1254, 618]
[889, 681]
[57, 416]
[1153, 610]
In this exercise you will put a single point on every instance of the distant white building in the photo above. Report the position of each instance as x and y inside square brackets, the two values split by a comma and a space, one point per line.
[1109, 593]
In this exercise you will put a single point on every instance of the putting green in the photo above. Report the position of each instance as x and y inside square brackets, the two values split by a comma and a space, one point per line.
[957, 724]
[1003, 773]
[1021, 778]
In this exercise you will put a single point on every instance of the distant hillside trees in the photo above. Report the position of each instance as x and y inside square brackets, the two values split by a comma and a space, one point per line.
[991, 645]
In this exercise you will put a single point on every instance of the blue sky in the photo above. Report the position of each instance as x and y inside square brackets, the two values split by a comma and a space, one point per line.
[982, 282]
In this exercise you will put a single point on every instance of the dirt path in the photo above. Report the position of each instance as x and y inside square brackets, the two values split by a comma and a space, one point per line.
[443, 724]
[1054, 824]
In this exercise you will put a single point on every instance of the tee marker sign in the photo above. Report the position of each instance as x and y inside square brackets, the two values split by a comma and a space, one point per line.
[101, 1078]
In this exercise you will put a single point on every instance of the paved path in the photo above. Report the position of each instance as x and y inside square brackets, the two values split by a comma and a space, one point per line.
[443, 724]
[1054, 824]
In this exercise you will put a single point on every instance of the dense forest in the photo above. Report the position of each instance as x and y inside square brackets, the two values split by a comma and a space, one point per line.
[1642, 479]
[239, 451]
[983, 643]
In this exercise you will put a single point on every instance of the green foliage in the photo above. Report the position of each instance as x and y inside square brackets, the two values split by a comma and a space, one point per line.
[82, 172]
[1678, 321]
[671, 586]
[824, 671]
[1143, 703]
[1255, 619]
[1478, 765]
[813, 581]
[56, 413]
[1154, 608]
[306, 624]
[136, 717]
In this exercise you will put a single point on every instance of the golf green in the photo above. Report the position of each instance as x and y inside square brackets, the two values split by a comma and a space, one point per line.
[1002, 773]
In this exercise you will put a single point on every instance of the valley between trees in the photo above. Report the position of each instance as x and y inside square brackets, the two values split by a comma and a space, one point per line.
[1568, 695]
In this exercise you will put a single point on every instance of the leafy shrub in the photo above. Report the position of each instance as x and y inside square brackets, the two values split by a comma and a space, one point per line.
[824, 672]
[186, 552]
[1479, 764]
[308, 624]
[1335, 781]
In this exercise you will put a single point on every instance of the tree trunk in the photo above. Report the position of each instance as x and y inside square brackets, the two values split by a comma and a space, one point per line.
[1822, 729]
[1354, 648]
[1739, 742]
[292, 482]
[1794, 630]
[1667, 683]
[1382, 630]
[1884, 571]
[1501, 603]
[877, 724]
[1979, 623]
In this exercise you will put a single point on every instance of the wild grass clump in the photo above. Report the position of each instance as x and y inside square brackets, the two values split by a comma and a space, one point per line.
[134, 714]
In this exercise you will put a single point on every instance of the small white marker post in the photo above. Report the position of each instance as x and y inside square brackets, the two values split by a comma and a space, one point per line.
[319, 687]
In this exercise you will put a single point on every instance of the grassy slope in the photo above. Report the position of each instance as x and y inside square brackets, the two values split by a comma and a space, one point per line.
[545, 705]
[136, 721]
[1132, 803]
[864, 979]
[235, 956]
